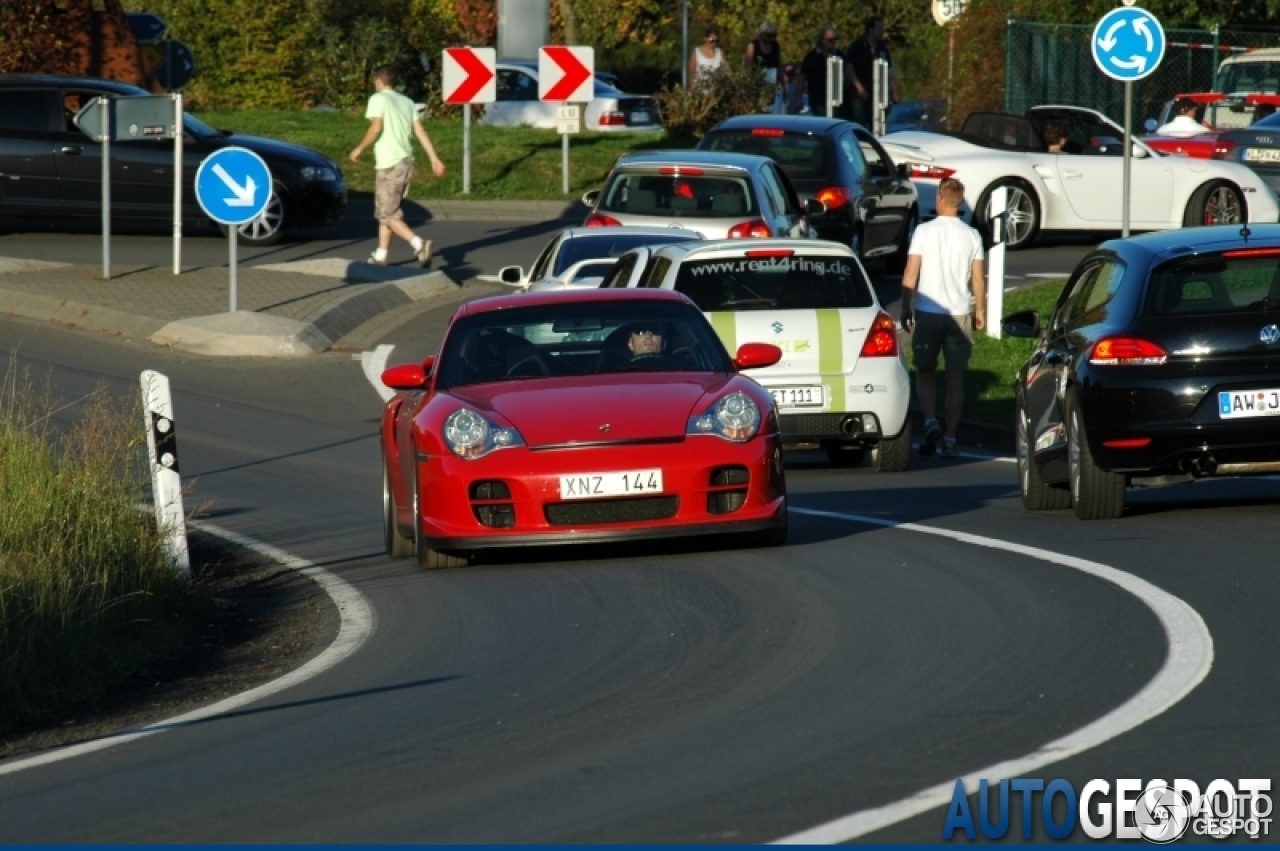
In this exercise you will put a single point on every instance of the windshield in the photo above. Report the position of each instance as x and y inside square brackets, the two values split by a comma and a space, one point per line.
[1217, 284]
[802, 157]
[579, 338]
[607, 245]
[779, 282]
[1244, 77]
[679, 196]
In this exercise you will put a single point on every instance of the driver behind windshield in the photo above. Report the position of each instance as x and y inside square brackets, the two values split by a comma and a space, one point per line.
[647, 340]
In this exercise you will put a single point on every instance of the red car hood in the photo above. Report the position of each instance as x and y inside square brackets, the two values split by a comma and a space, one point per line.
[596, 409]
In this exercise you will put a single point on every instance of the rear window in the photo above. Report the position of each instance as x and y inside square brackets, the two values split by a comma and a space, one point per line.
[606, 245]
[1233, 282]
[800, 157]
[774, 283]
[679, 196]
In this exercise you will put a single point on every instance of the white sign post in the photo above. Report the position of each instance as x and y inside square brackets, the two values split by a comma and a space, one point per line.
[835, 83]
[566, 75]
[233, 187]
[468, 75]
[166, 484]
[879, 96]
[1128, 44]
[945, 14]
[999, 218]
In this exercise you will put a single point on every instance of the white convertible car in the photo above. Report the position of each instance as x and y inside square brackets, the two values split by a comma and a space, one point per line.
[1080, 188]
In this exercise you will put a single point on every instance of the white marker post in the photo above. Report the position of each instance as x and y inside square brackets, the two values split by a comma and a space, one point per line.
[162, 452]
[999, 218]
[835, 83]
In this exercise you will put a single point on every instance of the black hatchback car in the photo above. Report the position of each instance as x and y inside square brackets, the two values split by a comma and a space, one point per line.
[872, 204]
[1160, 364]
[50, 171]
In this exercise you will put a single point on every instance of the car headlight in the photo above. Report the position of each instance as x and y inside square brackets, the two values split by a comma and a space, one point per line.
[734, 417]
[470, 435]
[319, 173]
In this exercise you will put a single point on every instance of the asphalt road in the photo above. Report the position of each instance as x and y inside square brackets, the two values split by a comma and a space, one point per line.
[662, 694]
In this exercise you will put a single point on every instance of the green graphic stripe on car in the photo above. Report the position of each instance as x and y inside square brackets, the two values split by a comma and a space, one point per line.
[726, 325]
[831, 355]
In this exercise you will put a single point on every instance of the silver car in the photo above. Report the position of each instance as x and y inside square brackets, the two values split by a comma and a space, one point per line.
[718, 194]
[579, 257]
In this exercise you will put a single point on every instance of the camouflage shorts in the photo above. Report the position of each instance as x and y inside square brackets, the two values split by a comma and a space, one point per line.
[390, 188]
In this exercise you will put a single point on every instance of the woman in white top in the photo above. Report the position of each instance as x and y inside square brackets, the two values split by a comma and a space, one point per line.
[706, 57]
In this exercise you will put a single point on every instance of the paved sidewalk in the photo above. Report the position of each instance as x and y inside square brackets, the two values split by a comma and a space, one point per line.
[284, 310]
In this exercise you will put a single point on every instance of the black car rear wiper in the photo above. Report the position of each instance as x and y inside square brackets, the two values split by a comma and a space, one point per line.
[750, 302]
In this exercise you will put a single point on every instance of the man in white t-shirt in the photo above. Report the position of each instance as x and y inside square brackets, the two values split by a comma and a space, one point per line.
[943, 300]
[1184, 123]
[393, 121]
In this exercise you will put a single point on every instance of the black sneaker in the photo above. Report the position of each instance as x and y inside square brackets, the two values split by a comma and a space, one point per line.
[932, 434]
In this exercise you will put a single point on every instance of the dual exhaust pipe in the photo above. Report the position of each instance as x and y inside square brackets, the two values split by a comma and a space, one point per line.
[1204, 464]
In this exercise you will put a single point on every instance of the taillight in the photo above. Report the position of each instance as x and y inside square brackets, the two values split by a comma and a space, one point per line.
[1128, 443]
[771, 252]
[930, 172]
[679, 169]
[833, 196]
[599, 220]
[613, 119]
[1127, 351]
[1221, 148]
[882, 339]
[755, 227]
[766, 131]
[1251, 252]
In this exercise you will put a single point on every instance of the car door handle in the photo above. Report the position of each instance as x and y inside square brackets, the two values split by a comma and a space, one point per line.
[71, 150]
[1070, 173]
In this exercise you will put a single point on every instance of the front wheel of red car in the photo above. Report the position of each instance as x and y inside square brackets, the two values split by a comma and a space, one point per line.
[429, 559]
[398, 546]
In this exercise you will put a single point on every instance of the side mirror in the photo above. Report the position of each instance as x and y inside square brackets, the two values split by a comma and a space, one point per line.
[757, 355]
[590, 198]
[428, 363]
[904, 171]
[512, 276]
[1024, 323]
[406, 376]
[1139, 152]
[814, 207]
[1150, 125]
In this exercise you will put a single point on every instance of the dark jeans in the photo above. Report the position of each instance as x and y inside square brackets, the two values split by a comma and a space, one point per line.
[859, 109]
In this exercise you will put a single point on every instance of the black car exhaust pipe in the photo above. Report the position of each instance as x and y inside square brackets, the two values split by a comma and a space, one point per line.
[1199, 465]
[851, 426]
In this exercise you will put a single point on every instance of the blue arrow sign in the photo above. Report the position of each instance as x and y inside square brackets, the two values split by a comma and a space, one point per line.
[233, 186]
[147, 27]
[1128, 43]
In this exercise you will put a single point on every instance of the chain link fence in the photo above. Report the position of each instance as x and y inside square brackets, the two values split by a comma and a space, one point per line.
[1053, 64]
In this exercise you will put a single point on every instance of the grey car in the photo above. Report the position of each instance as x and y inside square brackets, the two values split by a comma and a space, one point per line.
[718, 194]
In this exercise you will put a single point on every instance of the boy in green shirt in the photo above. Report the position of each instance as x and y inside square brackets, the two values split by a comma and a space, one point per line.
[392, 121]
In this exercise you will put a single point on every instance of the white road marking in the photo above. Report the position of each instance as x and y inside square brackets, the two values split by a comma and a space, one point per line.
[1188, 663]
[1048, 275]
[373, 363]
[356, 626]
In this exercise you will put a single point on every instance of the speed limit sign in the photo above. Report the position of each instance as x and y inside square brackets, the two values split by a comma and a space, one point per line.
[945, 12]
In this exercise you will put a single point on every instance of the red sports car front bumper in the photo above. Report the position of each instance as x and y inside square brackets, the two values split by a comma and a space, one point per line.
[511, 497]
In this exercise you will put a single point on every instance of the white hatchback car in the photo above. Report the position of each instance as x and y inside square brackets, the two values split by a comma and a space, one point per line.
[842, 382]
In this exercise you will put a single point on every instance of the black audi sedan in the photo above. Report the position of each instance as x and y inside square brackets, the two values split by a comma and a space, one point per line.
[51, 171]
[1160, 364]
[1257, 146]
[872, 204]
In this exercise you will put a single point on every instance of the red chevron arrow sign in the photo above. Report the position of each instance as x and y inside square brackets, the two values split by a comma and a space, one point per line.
[467, 75]
[566, 73]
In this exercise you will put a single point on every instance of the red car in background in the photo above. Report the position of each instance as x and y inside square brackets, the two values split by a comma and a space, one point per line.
[1209, 144]
[591, 415]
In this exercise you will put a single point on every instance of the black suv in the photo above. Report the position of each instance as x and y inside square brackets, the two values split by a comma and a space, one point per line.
[51, 172]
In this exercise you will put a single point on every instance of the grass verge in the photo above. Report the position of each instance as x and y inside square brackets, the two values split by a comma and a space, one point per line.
[86, 590]
[994, 365]
[510, 163]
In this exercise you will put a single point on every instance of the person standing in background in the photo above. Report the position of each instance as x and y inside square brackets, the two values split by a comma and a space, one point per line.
[764, 54]
[393, 120]
[813, 72]
[706, 57]
[944, 297]
[859, 71]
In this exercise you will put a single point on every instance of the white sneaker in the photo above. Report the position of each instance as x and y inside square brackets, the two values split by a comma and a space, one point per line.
[424, 254]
